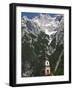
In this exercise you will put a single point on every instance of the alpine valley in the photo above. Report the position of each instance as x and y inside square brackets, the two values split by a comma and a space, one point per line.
[42, 39]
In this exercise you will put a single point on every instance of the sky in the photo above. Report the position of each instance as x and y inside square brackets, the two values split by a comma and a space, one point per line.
[32, 15]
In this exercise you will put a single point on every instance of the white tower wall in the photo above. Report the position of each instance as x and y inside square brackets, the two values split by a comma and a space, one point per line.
[47, 68]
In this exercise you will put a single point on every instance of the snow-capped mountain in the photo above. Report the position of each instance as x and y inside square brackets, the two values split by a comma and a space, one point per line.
[42, 22]
[46, 22]
[52, 26]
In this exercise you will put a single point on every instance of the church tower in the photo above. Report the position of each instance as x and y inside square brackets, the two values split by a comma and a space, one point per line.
[47, 68]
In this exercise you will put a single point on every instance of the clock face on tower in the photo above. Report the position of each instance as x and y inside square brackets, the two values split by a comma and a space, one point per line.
[47, 63]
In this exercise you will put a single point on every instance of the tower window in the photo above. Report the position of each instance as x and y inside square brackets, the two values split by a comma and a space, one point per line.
[47, 71]
[47, 62]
